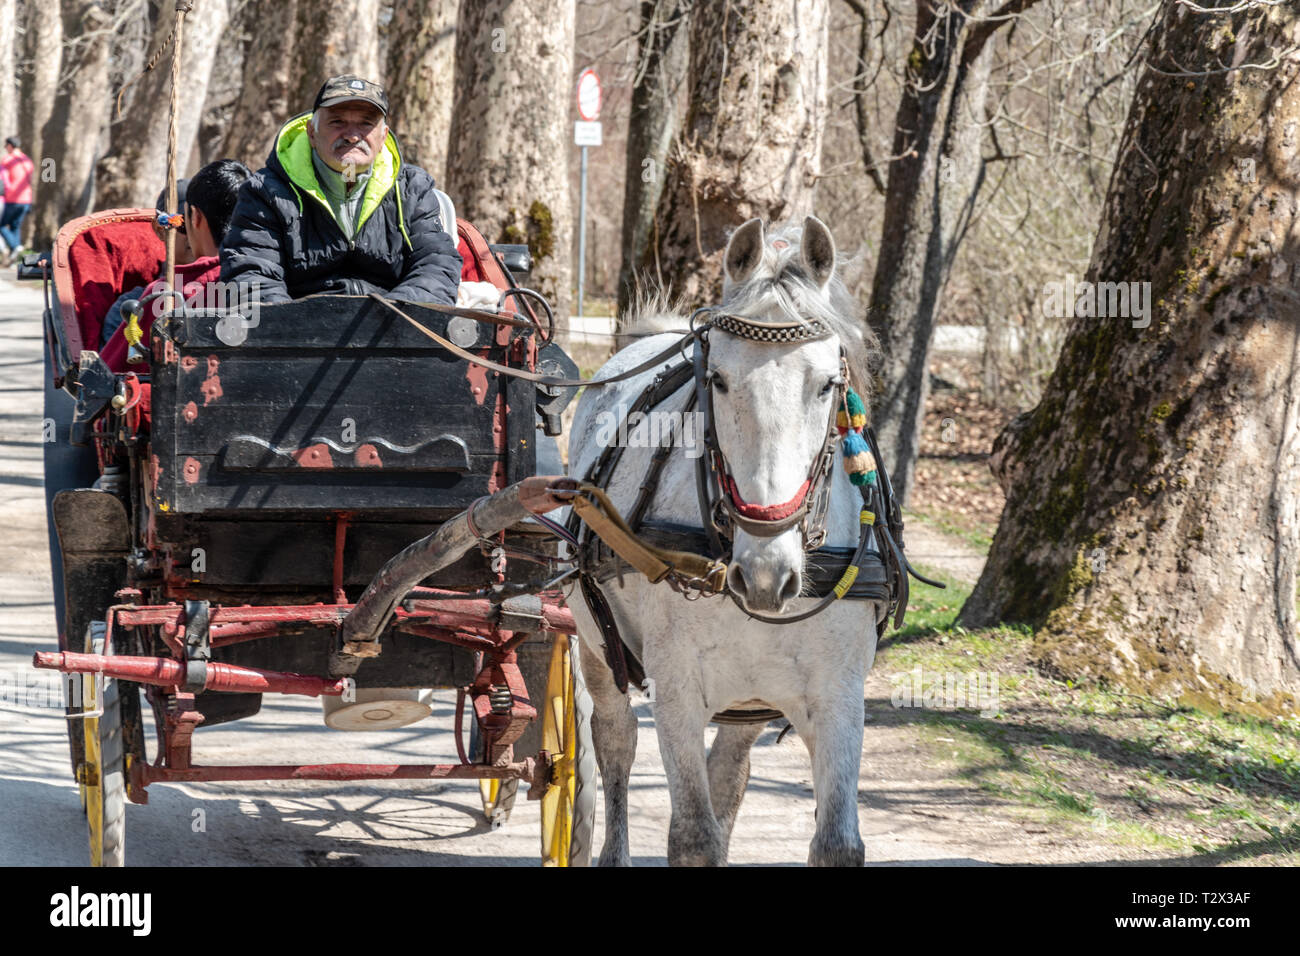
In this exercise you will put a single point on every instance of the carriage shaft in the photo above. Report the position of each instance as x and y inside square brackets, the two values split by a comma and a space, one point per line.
[164, 672]
[529, 769]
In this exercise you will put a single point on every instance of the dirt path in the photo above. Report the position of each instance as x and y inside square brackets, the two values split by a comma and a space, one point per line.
[912, 810]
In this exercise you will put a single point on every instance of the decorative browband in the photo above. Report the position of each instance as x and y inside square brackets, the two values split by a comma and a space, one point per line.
[758, 331]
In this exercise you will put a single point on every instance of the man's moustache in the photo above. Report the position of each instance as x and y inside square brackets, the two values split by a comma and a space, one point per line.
[344, 144]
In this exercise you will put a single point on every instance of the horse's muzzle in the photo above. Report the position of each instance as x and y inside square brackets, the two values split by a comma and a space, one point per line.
[764, 587]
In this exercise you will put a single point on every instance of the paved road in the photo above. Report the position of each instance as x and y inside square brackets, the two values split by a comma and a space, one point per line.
[310, 823]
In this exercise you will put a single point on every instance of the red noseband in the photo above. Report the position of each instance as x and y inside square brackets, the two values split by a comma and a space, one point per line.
[765, 512]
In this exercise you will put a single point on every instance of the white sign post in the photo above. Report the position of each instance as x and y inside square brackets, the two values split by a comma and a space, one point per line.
[586, 132]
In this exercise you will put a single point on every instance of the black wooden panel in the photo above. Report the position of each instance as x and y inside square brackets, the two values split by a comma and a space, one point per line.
[405, 427]
[406, 661]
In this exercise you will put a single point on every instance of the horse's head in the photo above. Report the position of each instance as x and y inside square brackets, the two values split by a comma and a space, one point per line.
[775, 394]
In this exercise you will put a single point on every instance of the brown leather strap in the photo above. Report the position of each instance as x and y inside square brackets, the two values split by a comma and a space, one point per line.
[652, 362]
[598, 512]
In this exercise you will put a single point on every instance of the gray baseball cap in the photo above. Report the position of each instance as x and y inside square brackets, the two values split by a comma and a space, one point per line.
[344, 89]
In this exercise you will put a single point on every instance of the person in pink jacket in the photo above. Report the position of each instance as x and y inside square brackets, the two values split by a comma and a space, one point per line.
[17, 168]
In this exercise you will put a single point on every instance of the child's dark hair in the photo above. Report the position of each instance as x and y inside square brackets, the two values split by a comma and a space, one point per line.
[213, 189]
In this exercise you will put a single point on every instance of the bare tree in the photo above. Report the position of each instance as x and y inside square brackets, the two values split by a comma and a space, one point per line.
[78, 123]
[8, 55]
[334, 38]
[136, 166]
[42, 56]
[652, 124]
[750, 144]
[1152, 517]
[508, 158]
[265, 98]
[935, 176]
[421, 80]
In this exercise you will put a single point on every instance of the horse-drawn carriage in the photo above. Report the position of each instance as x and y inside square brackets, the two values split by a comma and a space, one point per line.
[218, 515]
[337, 497]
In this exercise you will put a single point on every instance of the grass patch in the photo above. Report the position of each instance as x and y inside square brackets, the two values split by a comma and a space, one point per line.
[978, 535]
[1104, 765]
[931, 610]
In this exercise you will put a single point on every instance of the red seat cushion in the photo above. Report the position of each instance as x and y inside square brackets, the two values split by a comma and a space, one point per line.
[107, 260]
[471, 271]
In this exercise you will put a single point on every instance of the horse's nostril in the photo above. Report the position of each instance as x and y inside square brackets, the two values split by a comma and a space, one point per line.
[737, 581]
[790, 589]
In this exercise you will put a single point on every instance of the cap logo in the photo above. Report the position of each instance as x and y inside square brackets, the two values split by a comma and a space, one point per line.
[356, 85]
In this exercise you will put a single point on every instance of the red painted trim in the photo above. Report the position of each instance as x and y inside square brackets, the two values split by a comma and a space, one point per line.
[765, 512]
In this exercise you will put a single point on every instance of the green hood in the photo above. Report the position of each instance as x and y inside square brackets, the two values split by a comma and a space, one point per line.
[293, 153]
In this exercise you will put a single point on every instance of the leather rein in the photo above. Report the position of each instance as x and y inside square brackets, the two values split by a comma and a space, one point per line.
[721, 507]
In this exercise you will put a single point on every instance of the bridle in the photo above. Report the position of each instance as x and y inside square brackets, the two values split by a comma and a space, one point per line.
[722, 507]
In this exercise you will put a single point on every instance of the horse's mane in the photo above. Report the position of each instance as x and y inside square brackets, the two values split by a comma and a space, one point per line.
[778, 284]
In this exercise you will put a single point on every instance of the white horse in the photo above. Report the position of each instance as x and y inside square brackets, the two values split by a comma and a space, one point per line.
[772, 407]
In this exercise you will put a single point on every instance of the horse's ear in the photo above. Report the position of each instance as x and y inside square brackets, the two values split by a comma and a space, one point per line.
[745, 250]
[818, 250]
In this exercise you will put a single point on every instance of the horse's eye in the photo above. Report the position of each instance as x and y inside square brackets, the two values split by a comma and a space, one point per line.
[718, 382]
[826, 389]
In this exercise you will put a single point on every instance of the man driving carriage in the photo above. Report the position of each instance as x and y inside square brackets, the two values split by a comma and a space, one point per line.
[336, 211]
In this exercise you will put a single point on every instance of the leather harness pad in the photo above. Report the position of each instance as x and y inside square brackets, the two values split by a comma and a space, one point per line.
[824, 568]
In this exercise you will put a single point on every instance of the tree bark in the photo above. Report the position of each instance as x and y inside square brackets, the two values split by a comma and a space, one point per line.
[933, 182]
[653, 122]
[8, 83]
[1151, 519]
[421, 81]
[43, 48]
[508, 155]
[332, 39]
[266, 97]
[750, 144]
[136, 167]
[78, 123]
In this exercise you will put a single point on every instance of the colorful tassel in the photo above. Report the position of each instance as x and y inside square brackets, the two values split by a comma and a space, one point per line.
[849, 421]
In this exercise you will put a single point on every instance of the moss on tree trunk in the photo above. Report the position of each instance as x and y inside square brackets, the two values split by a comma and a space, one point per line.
[1150, 530]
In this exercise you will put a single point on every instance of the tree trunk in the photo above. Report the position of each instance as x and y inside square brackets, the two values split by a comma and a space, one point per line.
[653, 122]
[938, 132]
[43, 48]
[511, 138]
[750, 144]
[136, 168]
[266, 97]
[421, 81]
[78, 125]
[1151, 516]
[8, 83]
[334, 38]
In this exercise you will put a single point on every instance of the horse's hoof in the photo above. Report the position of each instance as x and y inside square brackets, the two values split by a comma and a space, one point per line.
[855, 855]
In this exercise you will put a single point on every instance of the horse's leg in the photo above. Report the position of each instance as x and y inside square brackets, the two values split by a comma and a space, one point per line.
[695, 837]
[832, 732]
[729, 772]
[613, 729]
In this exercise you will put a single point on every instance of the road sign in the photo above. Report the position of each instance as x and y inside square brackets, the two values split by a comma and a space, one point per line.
[589, 95]
[586, 133]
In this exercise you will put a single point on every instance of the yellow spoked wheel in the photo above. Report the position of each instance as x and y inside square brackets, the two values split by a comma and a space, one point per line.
[101, 776]
[569, 804]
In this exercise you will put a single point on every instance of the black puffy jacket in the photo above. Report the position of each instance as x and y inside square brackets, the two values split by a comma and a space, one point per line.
[284, 236]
